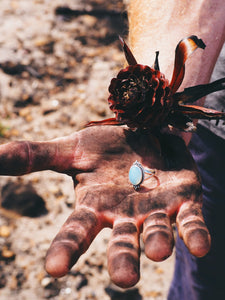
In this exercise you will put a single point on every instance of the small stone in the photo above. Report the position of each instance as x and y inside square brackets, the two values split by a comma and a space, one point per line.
[135, 175]
[46, 281]
[29, 118]
[46, 44]
[7, 253]
[66, 291]
[5, 231]
[50, 107]
[89, 20]
[24, 112]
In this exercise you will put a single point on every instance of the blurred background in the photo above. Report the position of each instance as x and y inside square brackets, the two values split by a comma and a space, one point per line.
[56, 62]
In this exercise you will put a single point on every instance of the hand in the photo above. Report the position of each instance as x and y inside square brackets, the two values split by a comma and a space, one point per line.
[99, 159]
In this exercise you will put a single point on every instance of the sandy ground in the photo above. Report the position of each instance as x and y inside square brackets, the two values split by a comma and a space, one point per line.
[55, 67]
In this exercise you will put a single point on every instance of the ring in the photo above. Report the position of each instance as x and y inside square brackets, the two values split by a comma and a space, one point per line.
[137, 174]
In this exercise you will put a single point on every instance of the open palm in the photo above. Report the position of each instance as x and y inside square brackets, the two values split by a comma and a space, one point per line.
[99, 159]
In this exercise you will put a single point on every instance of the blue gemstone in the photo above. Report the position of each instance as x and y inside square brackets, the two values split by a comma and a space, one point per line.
[135, 175]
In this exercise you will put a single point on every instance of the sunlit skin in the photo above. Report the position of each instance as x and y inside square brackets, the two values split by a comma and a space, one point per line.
[98, 159]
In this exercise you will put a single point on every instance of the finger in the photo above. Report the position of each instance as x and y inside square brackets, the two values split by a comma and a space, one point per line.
[158, 236]
[123, 254]
[73, 240]
[18, 158]
[192, 229]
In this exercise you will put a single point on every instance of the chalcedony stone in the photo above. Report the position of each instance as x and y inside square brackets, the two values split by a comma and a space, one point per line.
[136, 174]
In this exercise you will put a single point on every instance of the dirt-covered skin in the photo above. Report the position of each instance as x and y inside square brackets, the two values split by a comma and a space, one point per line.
[98, 159]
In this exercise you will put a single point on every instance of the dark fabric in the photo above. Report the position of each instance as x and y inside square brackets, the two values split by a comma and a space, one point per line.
[204, 278]
[216, 100]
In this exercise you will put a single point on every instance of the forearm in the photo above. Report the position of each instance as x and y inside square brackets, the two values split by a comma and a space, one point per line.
[160, 25]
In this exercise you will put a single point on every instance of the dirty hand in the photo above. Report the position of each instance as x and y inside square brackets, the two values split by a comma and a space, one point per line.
[99, 159]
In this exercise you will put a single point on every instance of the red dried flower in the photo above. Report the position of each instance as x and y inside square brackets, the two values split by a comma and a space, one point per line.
[141, 97]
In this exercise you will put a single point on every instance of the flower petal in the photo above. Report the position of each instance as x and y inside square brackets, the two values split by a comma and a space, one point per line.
[156, 63]
[194, 93]
[184, 49]
[110, 121]
[128, 54]
[199, 112]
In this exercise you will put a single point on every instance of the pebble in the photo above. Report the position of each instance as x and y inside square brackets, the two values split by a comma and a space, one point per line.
[66, 291]
[46, 281]
[50, 107]
[25, 112]
[7, 253]
[5, 231]
[46, 44]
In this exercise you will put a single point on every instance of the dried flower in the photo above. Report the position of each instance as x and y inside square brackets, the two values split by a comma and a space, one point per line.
[141, 97]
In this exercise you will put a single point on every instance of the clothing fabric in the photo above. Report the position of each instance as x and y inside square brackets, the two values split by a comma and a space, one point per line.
[216, 100]
[204, 278]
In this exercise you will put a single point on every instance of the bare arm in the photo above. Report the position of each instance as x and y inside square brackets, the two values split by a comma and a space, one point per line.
[160, 25]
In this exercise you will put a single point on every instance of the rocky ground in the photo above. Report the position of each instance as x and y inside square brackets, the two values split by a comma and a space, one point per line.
[56, 62]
